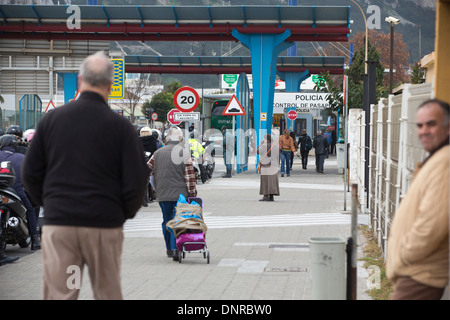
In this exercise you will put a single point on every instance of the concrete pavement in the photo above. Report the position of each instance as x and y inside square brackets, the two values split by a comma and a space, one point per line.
[258, 250]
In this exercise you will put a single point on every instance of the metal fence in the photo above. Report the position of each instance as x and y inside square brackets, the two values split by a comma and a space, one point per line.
[394, 154]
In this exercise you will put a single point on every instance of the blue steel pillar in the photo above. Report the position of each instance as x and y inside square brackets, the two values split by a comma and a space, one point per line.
[293, 80]
[70, 85]
[292, 50]
[264, 49]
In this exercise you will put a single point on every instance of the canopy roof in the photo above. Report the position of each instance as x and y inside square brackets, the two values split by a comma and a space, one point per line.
[228, 65]
[172, 23]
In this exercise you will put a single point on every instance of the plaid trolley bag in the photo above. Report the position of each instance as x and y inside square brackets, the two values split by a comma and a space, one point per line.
[189, 228]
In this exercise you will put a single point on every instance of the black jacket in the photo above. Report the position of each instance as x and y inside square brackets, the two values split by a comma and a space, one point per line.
[86, 165]
[320, 144]
[149, 145]
[305, 142]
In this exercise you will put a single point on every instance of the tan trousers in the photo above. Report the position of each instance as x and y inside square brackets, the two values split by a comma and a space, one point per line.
[405, 288]
[65, 251]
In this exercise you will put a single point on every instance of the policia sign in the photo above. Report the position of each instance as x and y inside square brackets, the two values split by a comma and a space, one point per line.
[302, 102]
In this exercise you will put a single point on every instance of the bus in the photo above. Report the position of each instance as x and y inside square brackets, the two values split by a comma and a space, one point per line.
[217, 119]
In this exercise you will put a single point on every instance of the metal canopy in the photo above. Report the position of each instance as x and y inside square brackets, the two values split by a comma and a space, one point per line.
[174, 23]
[228, 65]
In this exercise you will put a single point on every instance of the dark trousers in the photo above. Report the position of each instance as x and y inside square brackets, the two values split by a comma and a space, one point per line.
[408, 289]
[304, 154]
[31, 214]
[168, 212]
[320, 159]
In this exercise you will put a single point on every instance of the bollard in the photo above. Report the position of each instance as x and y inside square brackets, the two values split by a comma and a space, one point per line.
[328, 268]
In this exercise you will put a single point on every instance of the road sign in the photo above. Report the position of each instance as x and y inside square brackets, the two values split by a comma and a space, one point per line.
[233, 108]
[186, 99]
[292, 115]
[154, 116]
[117, 88]
[230, 79]
[170, 116]
[187, 116]
[263, 116]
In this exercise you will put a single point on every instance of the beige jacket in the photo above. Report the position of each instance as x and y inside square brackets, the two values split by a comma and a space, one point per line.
[418, 242]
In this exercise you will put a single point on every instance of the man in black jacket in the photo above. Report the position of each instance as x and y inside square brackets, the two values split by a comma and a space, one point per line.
[86, 168]
[305, 145]
[320, 145]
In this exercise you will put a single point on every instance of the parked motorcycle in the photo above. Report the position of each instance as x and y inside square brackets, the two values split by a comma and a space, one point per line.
[13, 219]
[208, 158]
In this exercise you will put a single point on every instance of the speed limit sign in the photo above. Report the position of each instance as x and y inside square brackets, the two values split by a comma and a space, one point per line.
[186, 99]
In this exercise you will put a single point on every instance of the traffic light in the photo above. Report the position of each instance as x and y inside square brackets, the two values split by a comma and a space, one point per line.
[148, 113]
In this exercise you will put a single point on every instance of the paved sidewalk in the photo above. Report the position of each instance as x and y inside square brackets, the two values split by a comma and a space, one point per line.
[258, 250]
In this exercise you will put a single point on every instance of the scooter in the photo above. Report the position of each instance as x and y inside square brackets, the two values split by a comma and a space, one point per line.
[13, 219]
[208, 158]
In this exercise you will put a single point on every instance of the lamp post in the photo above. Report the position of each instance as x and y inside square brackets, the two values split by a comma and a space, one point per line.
[367, 37]
[392, 21]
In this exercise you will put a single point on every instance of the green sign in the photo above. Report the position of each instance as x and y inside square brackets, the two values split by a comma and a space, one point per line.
[230, 79]
[316, 78]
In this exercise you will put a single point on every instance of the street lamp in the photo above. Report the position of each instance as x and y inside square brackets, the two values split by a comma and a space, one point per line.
[367, 36]
[392, 21]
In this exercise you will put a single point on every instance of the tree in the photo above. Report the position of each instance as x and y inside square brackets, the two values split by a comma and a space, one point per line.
[134, 91]
[355, 82]
[357, 68]
[381, 41]
[162, 102]
[417, 73]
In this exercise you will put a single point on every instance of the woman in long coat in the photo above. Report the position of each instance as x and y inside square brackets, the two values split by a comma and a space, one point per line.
[268, 158]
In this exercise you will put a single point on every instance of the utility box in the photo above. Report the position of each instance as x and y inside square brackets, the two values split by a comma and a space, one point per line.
[340, 154]
[328, 268]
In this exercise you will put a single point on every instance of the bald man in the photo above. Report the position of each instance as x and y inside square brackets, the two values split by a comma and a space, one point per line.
[86, 167]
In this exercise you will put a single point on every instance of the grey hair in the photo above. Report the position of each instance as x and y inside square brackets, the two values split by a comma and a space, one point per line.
[174, 134]
[97, 70]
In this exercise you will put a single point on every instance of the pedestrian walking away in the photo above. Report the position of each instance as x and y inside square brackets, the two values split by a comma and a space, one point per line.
[305, 145]
[327, 135]
[286, 146]
[149, 143]
[417, 259]
[87, 165]
[269, 185]
[320, 145]
[173, 174]
[292, 134]
[228, 150]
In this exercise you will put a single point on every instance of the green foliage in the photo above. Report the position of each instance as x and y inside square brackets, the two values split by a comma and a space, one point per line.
[417, 75]
[162, 103]
[173, 87]
[357, 68]
[355, 82]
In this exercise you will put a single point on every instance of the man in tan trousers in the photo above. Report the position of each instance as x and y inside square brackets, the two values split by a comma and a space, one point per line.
[417, 255]
[86, 167]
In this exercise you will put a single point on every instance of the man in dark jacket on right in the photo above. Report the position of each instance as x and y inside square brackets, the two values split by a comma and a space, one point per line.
[320, 145]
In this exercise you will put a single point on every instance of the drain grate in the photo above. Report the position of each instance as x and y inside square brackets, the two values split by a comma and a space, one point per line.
[291, 269]
[289, 246]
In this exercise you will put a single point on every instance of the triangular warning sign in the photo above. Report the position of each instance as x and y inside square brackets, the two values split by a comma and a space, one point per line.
[233, 108]
[50, 106]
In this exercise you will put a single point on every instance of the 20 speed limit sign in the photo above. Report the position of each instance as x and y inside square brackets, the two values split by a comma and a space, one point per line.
[186, 99]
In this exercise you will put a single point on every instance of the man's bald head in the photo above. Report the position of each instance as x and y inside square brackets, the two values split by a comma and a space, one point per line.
[97, 70]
